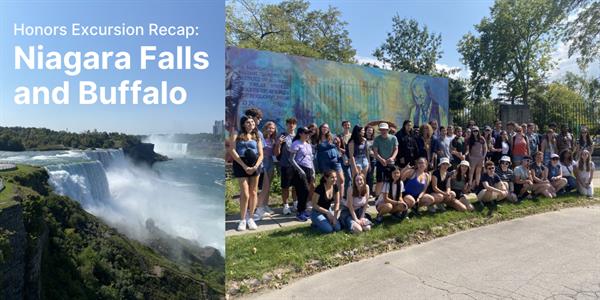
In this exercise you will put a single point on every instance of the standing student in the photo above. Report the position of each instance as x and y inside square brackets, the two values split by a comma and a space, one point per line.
[428, 145]
[523, 180]
[533, 138]
[385, 148]
[567, 167]
[548, 145]
[539, 172]
[301, 159]
[507, 177]
[565, 139]
[585, 174]
[519, 145]
[440, 186]
[282, 152]
[459, 183]
[416, 180]
[390, 200]
[358, 152]
[555, 175]
[247, 156]
[457, 148]
[344, 139]
[370, 136]
[408, 151]
[326, 194]
[490, 141]
[270, 138]
[501, 147]
[328, 155]
[355, 206]
[584, 142]
[444, 143]
[476, 152]
[490, 188]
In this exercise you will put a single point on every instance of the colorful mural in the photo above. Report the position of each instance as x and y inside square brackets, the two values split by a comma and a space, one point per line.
[320, 91]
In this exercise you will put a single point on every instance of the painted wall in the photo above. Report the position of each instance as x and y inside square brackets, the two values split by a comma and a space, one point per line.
[320, 91]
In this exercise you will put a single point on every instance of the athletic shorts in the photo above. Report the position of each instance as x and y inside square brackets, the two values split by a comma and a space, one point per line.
[287, 174]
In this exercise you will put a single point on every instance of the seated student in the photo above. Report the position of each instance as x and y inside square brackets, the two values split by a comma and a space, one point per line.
[416, 180]
[523, 181]
[355, 206]
[539, 173]
[390, 200]
[440, 185]
[506, 175]
[490, 187]
[555, 175]
[567, 166]
[326, 193]
[459, 184]
[584, 171]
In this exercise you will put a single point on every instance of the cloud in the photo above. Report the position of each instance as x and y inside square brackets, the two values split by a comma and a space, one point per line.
[364, 59]
[565, 64]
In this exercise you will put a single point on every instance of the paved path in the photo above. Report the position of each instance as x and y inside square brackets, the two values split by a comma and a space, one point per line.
[554, 255]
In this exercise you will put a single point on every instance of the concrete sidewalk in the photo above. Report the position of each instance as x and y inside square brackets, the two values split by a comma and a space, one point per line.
[553, 255]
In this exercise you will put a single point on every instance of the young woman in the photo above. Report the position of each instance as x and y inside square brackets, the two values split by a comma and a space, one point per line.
[459, 184]
[507, 176]
[585, 141]
[585, 173]
[555, 175]
[476, 152]
[520, 145]
[301, 158]
[247, 156]
[390, 200]
[358, 152]
[567, 167]
[416, 180]
[427, 145]
[490, 188]
[490, 142]
[326, 193]
[313, 141]
[440, 187]
[370, 136]
[354, 209]
[270, 138]
[501, 147]
[328, 155]
[539, 172]
[549, 145]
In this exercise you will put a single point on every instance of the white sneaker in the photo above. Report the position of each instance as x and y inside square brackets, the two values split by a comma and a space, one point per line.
[295, 205]
[252, 225]
[259, 214]
[242, 225]
[269, 210]
[287, 210]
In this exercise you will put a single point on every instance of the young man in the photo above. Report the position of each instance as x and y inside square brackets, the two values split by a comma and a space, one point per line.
[532, 138]
[385, 148]
[564, 140]
[282, 152]
[497, 129]
[444, 142]
[522, 178]
[408, 151]
[491, 188]
[345, 138]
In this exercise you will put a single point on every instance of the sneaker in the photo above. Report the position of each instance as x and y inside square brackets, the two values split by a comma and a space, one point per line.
[269, 210]
[252, 225]
[431, 209]
[301, 217]
[259, 214]
[378, 219]
[287, 210]
[441, 207]
[400, 216]
[306, 213]
[241, 225]
[415, 211]
[296, 205]
[478, 206]
[256, 217]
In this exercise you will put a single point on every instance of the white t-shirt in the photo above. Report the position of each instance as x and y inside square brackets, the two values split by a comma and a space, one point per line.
[568, 170]
[386, 189]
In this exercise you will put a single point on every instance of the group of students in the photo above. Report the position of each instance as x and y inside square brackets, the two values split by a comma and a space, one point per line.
[406, 170]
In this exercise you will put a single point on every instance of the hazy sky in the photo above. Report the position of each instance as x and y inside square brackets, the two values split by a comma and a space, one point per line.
[205, 88]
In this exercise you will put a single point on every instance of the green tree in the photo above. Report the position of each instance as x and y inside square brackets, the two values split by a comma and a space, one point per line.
[588, 88]
[410, 47]
[558, 103]
[288, 27]
[513, 47]
[583, 32]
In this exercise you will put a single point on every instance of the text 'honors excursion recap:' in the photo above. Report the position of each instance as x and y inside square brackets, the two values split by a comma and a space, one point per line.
[72, 62]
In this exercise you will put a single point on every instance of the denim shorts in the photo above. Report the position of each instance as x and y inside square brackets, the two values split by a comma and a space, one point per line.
[362, 162]
[325, 166]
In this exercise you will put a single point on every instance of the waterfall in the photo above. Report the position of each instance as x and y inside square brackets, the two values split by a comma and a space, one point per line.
[106, 156]
[172, 149]
[85, 182]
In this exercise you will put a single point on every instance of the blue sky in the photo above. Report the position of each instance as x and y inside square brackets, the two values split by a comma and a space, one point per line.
[205, 88]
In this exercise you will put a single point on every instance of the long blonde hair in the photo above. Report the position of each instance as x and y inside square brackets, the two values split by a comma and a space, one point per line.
[264, 131]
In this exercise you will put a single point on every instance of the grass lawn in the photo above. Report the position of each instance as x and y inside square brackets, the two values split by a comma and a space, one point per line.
[7, 193]
[272, 258]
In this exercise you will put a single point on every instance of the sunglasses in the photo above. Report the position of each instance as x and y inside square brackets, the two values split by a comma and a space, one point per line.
[491, 168]
[504, 163]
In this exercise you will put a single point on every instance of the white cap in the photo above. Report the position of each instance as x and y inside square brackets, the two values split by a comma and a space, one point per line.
[384, 125]
[444, 160]
[554, 155]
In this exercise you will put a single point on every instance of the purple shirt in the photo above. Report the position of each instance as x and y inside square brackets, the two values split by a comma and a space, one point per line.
[304, 155]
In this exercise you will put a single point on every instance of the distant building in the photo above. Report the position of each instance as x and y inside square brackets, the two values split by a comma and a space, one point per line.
[219, 127]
